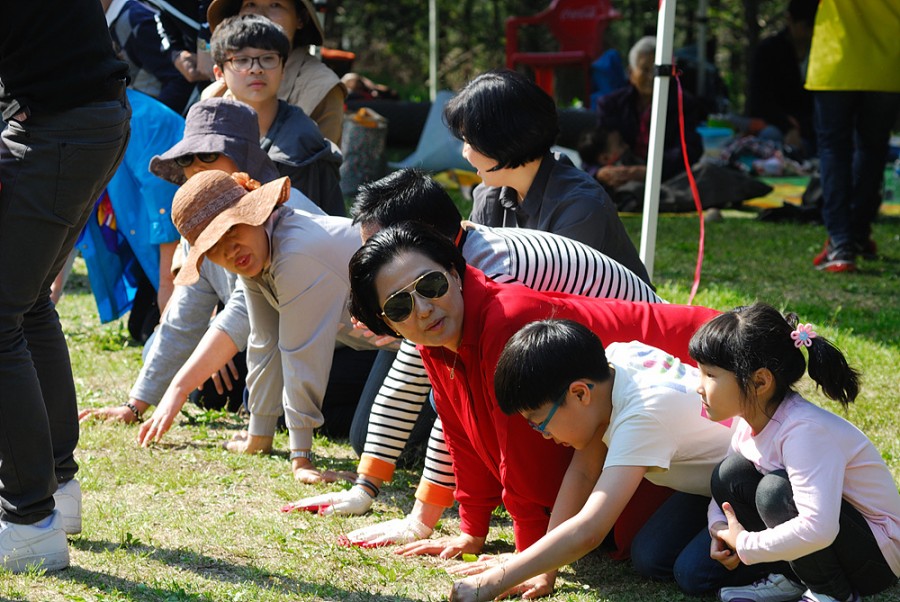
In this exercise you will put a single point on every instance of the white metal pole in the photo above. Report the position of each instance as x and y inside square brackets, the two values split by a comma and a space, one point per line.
[432, 49]
[664, 56]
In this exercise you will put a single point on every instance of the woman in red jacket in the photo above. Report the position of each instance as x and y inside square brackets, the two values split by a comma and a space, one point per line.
[410, 281]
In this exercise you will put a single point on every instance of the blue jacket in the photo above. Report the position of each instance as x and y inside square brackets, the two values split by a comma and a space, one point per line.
[142, 204]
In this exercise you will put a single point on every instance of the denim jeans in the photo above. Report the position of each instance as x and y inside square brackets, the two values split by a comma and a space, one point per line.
[853, 562]
[675, 543]
[53, 168]
[852, 130]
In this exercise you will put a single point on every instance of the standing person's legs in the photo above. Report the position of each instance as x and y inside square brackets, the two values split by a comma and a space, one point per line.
[834, 120]
[874, 120]
[52, 169]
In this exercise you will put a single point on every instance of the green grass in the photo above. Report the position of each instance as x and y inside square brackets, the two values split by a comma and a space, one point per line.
[187, 521]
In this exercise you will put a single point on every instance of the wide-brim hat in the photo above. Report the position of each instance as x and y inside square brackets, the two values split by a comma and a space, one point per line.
[211, 202]
[218, 125]
[219, 10]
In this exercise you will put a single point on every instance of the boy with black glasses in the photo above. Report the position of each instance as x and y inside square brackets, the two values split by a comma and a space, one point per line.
[249, 52]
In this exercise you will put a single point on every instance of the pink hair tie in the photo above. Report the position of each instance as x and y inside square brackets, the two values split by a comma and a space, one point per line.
[803, 335]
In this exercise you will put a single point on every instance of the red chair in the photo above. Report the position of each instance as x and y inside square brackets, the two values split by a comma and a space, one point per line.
[577, 25]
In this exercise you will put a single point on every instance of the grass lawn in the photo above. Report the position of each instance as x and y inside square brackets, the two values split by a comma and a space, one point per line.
[187, 521]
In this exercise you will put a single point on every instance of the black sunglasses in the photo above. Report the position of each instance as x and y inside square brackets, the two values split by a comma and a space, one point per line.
[432, 285]
[186, 160]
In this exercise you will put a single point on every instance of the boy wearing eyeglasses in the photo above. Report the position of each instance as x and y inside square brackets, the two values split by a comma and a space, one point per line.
[249, 52]
[631, 412]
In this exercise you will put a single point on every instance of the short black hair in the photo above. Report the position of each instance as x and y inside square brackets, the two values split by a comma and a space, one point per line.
[540, 361]
[505, 116]
[407, 194]
[247, 31]
[382, 248]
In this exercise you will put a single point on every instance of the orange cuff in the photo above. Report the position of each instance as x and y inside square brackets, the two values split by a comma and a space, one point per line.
[376, 467]
[432, 493]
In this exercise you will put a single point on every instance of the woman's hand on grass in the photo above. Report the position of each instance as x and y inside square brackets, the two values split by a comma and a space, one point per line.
[343, 503]
[443, 547]
[108, 414]
[484, 581]
[242, 442]
[396, 531]
[306, 472]
[484, 563]
[161, 421]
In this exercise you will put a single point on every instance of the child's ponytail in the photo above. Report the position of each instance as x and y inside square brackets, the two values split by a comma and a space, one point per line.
[827, 366]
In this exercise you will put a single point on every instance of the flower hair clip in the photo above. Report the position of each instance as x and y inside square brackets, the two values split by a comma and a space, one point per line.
[803, 335]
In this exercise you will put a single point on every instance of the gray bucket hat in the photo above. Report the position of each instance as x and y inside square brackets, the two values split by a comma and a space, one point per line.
[218, 125]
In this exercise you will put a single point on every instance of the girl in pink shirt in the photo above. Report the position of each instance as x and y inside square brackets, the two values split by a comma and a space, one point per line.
[800, 485]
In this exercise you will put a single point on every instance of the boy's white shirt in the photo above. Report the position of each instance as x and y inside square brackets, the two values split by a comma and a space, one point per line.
[658, 421]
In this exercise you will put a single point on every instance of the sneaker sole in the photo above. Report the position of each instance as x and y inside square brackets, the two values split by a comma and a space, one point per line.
[837, 266]
[55, 561]
[49, 562]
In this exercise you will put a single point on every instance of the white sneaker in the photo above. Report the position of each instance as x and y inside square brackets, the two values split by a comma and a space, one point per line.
[68, 502]
[811, 596]
[25, 546]
[774, 588]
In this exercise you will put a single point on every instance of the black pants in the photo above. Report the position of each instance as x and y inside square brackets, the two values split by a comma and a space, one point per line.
[53, 167]
[853, 562]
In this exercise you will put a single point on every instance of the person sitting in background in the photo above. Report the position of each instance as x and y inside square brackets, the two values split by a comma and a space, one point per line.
[137, 41]
[775, 93]
[218, 134]
[307, 82]
[249, 53]
[606, 148]
[628, 111]
[508, 125]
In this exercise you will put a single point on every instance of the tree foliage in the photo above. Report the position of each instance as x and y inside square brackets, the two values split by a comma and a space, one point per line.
[390, 39]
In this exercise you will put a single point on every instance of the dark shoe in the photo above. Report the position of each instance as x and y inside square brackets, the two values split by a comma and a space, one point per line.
[868, 250]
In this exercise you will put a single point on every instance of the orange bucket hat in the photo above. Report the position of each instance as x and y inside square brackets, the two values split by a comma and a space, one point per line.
[211, 202]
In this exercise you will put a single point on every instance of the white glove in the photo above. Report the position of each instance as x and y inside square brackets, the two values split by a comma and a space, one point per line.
[355, 500]
[397, 531]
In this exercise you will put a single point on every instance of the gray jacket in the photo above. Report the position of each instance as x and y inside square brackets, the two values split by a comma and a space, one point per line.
[187, 318]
